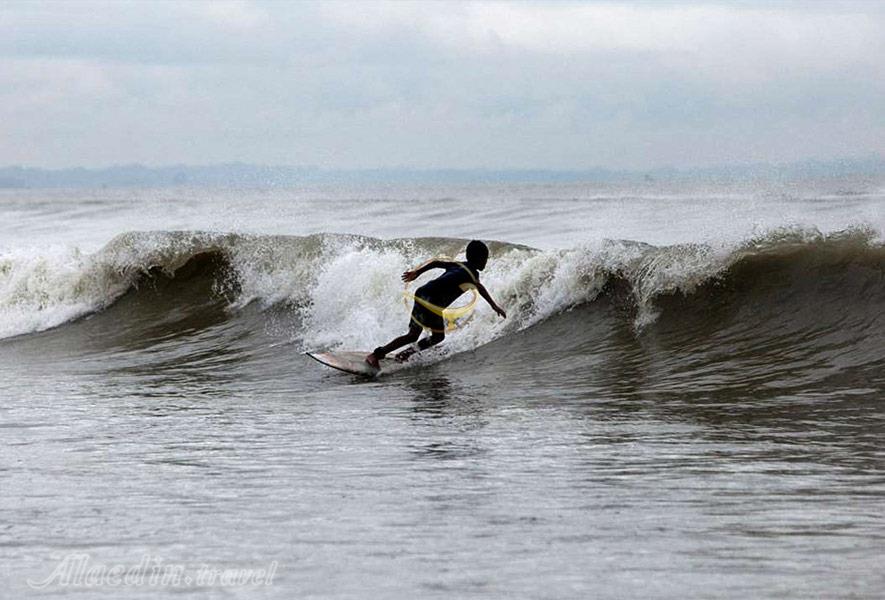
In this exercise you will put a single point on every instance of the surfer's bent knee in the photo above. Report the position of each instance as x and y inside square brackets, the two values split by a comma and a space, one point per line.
[433, 340]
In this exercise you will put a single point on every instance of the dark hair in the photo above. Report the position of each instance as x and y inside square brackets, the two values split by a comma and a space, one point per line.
[477, 252]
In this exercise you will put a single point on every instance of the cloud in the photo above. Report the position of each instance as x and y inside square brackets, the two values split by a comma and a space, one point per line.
[440, 84]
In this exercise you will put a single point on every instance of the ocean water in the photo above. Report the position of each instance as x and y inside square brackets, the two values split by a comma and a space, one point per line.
[685, 400]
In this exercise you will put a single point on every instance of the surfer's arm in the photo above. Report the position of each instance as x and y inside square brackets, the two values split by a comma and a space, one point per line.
[418, 271]
[488, 298]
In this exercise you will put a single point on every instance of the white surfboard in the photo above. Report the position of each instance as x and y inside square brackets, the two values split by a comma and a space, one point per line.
[349, 362]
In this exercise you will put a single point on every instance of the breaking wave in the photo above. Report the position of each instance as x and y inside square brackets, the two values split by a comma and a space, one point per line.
[344, 292]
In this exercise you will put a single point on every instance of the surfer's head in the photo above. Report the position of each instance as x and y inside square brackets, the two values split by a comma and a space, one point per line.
[477, 254]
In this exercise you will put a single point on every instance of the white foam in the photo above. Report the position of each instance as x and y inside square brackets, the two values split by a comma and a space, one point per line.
[356, 300]
[44, 288]
[41, 288]
[347, 289]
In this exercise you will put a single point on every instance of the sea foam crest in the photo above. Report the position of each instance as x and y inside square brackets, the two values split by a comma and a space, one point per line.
[45, 287]
[347, 289]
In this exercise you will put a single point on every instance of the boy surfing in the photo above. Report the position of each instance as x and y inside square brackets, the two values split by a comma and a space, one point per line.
[432, 297]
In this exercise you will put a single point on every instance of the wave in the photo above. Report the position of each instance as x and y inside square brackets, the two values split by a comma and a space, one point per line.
[343, 291]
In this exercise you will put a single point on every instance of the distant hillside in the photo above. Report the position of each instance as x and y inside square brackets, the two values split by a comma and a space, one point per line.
[245, 175]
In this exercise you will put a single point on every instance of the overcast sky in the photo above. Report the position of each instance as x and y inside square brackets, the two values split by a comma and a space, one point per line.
[496, 85]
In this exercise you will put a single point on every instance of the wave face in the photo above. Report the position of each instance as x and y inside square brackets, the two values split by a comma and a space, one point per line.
[790, 298]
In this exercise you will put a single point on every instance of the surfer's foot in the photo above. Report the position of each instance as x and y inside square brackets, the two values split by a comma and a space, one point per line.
[404, 355]
[372, 361]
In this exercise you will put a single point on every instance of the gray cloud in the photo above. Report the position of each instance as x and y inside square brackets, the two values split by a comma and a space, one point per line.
[561, 85]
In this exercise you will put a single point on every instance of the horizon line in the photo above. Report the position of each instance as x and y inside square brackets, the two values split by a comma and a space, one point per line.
[867, 160]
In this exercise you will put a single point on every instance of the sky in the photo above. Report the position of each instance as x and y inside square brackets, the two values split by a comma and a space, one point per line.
[352, 85]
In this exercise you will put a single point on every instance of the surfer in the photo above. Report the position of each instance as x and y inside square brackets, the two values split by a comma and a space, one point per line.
[431, 298]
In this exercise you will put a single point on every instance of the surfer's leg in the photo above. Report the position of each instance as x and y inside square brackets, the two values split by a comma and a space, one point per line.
[403, 340]
[433, 340]
[424, 344]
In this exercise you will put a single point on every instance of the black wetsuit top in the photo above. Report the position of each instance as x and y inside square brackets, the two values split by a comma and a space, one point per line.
[446, 288]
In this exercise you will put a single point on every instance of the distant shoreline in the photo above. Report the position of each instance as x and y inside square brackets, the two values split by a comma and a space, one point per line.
[249, 175]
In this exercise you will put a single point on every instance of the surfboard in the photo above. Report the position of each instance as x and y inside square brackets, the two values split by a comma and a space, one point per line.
[349, 362]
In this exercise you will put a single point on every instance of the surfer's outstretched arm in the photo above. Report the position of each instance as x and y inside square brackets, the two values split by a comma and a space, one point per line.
[418, 271]
[488, 298]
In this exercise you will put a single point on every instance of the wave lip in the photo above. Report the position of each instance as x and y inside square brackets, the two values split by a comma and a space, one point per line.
[345, 290]
[44, 289]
